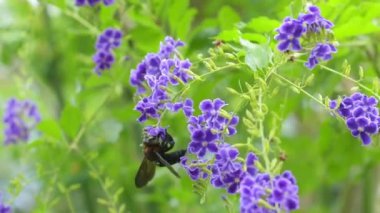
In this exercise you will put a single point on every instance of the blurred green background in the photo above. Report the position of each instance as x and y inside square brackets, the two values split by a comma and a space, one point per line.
[46, 50]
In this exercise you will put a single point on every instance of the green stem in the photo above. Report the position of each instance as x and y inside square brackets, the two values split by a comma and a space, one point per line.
[69, 202]
[82, 21]
[368, 189]
[348, 78]
[298, 88]
[264, 142]
[351, 79]
[85, 125]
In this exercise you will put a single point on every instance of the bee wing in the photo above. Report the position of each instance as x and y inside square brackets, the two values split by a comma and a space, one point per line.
[145, 173]
[165, 163]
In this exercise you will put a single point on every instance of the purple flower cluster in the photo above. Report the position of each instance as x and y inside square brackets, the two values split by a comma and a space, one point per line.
[361, 115]
[155, 74]
[107, 41]
[227, 172]
[4, 208]
[320, 52]
[280, 192]
[93, 2]
[314, 29]
[258, 191]
[210, 127]
[20, 118]
[218, 161]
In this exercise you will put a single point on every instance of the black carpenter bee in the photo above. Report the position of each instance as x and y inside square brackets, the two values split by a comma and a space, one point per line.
[155, 148]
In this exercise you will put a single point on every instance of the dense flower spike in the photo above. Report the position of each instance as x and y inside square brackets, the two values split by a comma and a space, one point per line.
[253, 192]
[155, 74]
[93, 2]
[361, 115]
[209, 127]
[20, 118]
[226, 171]
[312, 30]
[4, 208]
[260, 193]
[106, 42]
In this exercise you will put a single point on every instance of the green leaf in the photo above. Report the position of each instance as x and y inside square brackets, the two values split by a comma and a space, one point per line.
[181, 17]
[111, 130]
[50, 128]
[263, 24]
[71, 119]
[229, 35]
[254, 37]
[257, 56]
[351, 28]
[227, 18]
[147, 38]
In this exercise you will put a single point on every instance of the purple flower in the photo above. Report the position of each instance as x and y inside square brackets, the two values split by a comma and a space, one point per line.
[320, 52]
[153, 131]
[20, 118]
[104, 57]
[227, 172]
[169, 46]
[211, 109]
[109, 39]
[314, 21]
[93, 2]
[285, 191]
[4, 208]
[188, 108]
[361, 115]
[194, 169]
[203, 141]
[282, 191]
[212, 118]
[174, 107]
[154, 75]
[289, 34]
[310, 29]
[103, 61]
[148, 109]
[362, 127]
[254, 189]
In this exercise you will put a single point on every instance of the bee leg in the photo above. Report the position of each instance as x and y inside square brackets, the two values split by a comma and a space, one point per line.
[163, 162]
[173, 157]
